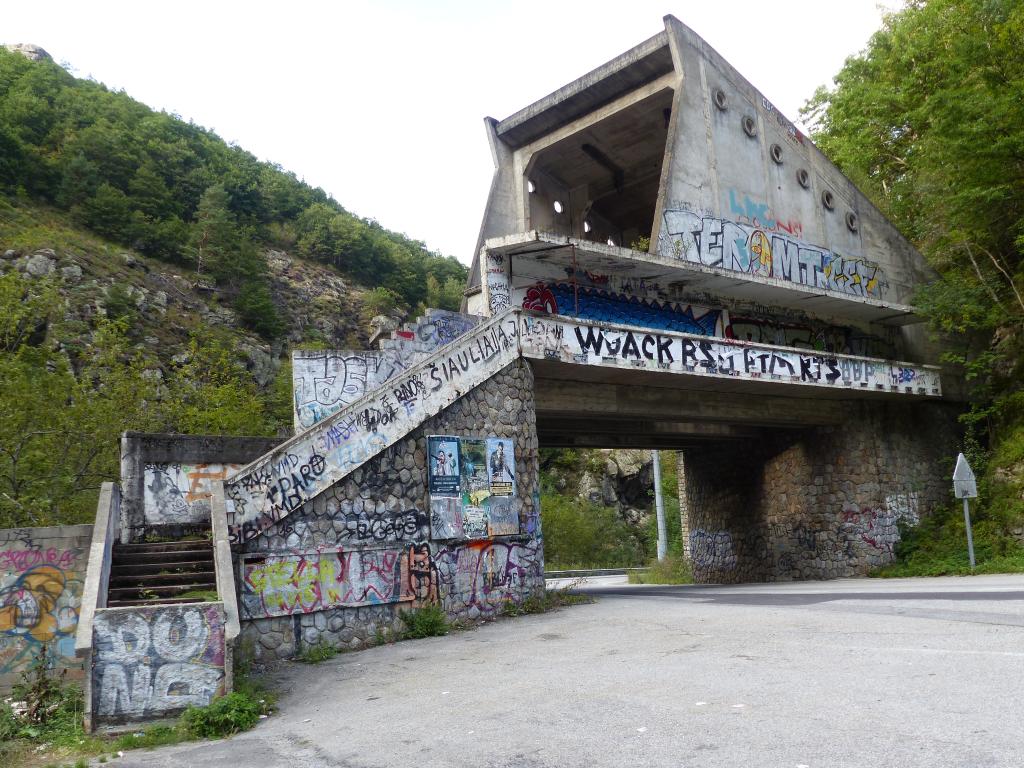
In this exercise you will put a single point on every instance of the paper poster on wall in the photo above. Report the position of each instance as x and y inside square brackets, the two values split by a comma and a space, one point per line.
[501, 467]
[502, 516]
[446, 517]
[443, 464]
[474, 522]
[473, 461]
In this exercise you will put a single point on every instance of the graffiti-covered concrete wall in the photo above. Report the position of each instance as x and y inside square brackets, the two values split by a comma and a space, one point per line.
[151, 662]
[343, 565]
[167, 479]
[42, 571]
[325, 381]
[816, 504]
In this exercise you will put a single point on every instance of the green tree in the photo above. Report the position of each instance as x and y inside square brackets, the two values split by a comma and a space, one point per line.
[219, 245]
[212, 394]
[58, 430]
[929, 121]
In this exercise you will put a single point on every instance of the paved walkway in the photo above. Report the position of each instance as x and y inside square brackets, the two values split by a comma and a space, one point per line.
[912, 672]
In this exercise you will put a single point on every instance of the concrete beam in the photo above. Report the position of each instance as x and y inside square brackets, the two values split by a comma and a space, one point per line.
[565, 397]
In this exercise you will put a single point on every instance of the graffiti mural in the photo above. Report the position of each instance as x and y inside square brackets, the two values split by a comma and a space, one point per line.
[879, 527]
[807, 335]
[487, 574]
[758, 214]
[716, 242]
[606, 307]
[179, 494]
[156, 661]
[325, 382]
[41, 578]
[499, 290]
[282, 585]
[544, 338]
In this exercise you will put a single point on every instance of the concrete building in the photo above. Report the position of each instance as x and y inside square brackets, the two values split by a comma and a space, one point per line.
[664, 262]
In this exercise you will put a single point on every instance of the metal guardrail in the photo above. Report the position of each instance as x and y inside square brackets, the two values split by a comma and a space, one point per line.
[584, 572]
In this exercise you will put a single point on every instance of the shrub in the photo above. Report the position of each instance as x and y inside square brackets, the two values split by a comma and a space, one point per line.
[429, 621]
[227, 715]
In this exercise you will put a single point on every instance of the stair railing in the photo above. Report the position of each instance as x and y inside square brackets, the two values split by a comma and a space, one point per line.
[97, 582]
[225, 576]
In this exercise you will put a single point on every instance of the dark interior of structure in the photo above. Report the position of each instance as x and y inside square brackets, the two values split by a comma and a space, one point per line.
[605, 177]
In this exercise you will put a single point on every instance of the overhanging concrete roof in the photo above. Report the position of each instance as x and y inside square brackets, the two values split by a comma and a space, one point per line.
[700, 279]
[636, 67]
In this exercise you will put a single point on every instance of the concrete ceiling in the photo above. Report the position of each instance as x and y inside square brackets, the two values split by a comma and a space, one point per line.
[636, 67]
[619, 160]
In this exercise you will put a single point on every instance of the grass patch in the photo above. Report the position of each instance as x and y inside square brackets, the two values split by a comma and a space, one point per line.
[318, 653]
[428, 621]
[674, 569]
[151, 737]
[546, 600]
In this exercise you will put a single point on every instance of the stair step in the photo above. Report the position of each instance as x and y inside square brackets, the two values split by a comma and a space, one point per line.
[143, 569]
[143, 558]
[162, 601]
[158, 590]
[190, 577]
[164, 546]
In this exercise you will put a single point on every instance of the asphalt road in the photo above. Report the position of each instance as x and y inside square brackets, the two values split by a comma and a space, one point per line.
[913, 672]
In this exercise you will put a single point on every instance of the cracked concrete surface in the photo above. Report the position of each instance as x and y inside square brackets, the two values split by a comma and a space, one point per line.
[914, 672]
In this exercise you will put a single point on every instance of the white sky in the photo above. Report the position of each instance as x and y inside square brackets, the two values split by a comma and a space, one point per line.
[382, 103]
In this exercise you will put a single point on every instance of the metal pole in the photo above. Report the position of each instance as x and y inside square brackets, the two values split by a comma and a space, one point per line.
[659, 507]
[970, 538]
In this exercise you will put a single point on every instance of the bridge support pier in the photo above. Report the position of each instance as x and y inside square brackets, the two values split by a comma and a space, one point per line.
[826, 502]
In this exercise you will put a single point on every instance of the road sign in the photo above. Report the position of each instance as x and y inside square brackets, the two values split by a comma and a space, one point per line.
[964, 484]
[965, 487]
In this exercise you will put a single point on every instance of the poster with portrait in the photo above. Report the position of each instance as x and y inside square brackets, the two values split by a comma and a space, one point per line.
[501, 466]
[446, 517]
[474, 522]
[473, 465]
[443, 464]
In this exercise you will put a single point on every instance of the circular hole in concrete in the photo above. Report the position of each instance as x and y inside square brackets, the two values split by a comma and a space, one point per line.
[776, 153]
[558, 206]
[530, 186]
[749, 126]
[586, 226]
[803, 178]
[828, 200]
[719, 97]
[851, 221]
[610, 241]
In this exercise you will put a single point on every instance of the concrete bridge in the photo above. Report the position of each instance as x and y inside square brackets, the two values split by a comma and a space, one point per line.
[665, 261]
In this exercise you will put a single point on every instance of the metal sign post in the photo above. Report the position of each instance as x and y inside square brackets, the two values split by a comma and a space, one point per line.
[965, 487]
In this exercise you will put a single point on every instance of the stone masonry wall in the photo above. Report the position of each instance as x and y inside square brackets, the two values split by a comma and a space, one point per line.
[371, 533]
[818, 504]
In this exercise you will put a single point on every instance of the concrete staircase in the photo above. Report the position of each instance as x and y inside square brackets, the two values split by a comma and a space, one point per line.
[144, 574]
[422, 369]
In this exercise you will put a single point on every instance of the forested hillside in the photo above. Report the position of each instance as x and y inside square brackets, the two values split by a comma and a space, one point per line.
[177, 192]
[152, 277]
[929, 121]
